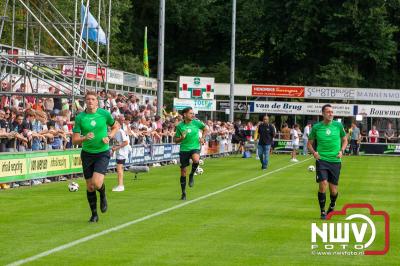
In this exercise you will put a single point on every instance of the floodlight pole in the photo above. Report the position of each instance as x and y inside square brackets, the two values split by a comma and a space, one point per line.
[160, 68]
[108, 43]
[12, 43]
[232, 86]
[98, 43]
[75, 53]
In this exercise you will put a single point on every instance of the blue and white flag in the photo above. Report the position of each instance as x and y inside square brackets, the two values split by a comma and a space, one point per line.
[91, 23]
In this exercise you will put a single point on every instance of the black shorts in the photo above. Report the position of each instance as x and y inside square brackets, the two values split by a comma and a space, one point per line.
[94, 162]
[328, 171]
[121, 161]
[185, 156]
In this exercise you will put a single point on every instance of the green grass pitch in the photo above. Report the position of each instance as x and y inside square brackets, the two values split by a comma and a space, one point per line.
[263, 222]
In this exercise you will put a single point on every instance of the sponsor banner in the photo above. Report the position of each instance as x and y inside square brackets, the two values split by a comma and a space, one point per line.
[298, 108]
[48, 163]
[197, 105]
[68, 70]
[380, 148]
[305, 108]
[92, 73]
[115, 76]
[392, 149]
[277, 91]
[137, 155]
[285, 145]
[311, 92]
[196, 88]
[76, 161]
[29, 165]
[147, 83]
[238, 106]
[97, 74]
[131, 80]
[361, 94]
[150, 98]
[377, 111]
[13, 167]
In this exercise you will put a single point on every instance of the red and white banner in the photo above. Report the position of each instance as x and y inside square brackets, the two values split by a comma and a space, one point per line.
[91, 73]
[277, 91]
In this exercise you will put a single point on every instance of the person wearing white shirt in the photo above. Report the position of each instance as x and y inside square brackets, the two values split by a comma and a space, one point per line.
[306, 132]
[295, 134]
[122, 150]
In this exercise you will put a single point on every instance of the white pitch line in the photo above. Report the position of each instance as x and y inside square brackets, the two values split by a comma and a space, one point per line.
[122, 226]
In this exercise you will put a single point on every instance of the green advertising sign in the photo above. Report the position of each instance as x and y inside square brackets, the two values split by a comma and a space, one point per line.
[29, 165]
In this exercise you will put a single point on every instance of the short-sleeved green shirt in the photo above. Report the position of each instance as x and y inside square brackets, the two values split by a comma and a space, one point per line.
[329, 140]
[96, 123]
[191, 142]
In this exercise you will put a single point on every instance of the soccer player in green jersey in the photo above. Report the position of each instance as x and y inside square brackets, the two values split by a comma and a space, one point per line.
[330, 140]
[90, 130]
[187, 134]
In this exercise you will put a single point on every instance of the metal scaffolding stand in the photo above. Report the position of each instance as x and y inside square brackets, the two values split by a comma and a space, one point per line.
[69, 68]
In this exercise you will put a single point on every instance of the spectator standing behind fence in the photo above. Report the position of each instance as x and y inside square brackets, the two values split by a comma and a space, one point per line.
[265, 133]
[57, 101]
[36, 127]
[29, 99]
[5, 86]
[18, 127]
[285, 132]
[18, 102]
[238, 137]
[38, 106]
[295, 134]
[373, 135]
[389, 134]
[223, 138]
[7, 142]
[49, 102]
[306, 132]
[5, 131]
[249, 128]
[355, 138]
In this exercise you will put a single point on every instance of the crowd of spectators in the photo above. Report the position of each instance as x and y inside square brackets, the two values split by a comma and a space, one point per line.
[29, 123]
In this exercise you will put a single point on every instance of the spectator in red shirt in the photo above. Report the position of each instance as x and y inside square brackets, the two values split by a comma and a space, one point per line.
[373, 135]
[38, 106]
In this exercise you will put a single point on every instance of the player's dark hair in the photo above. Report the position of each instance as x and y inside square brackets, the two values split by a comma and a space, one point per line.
[186, 110]
[261, 117]
[325, 106]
